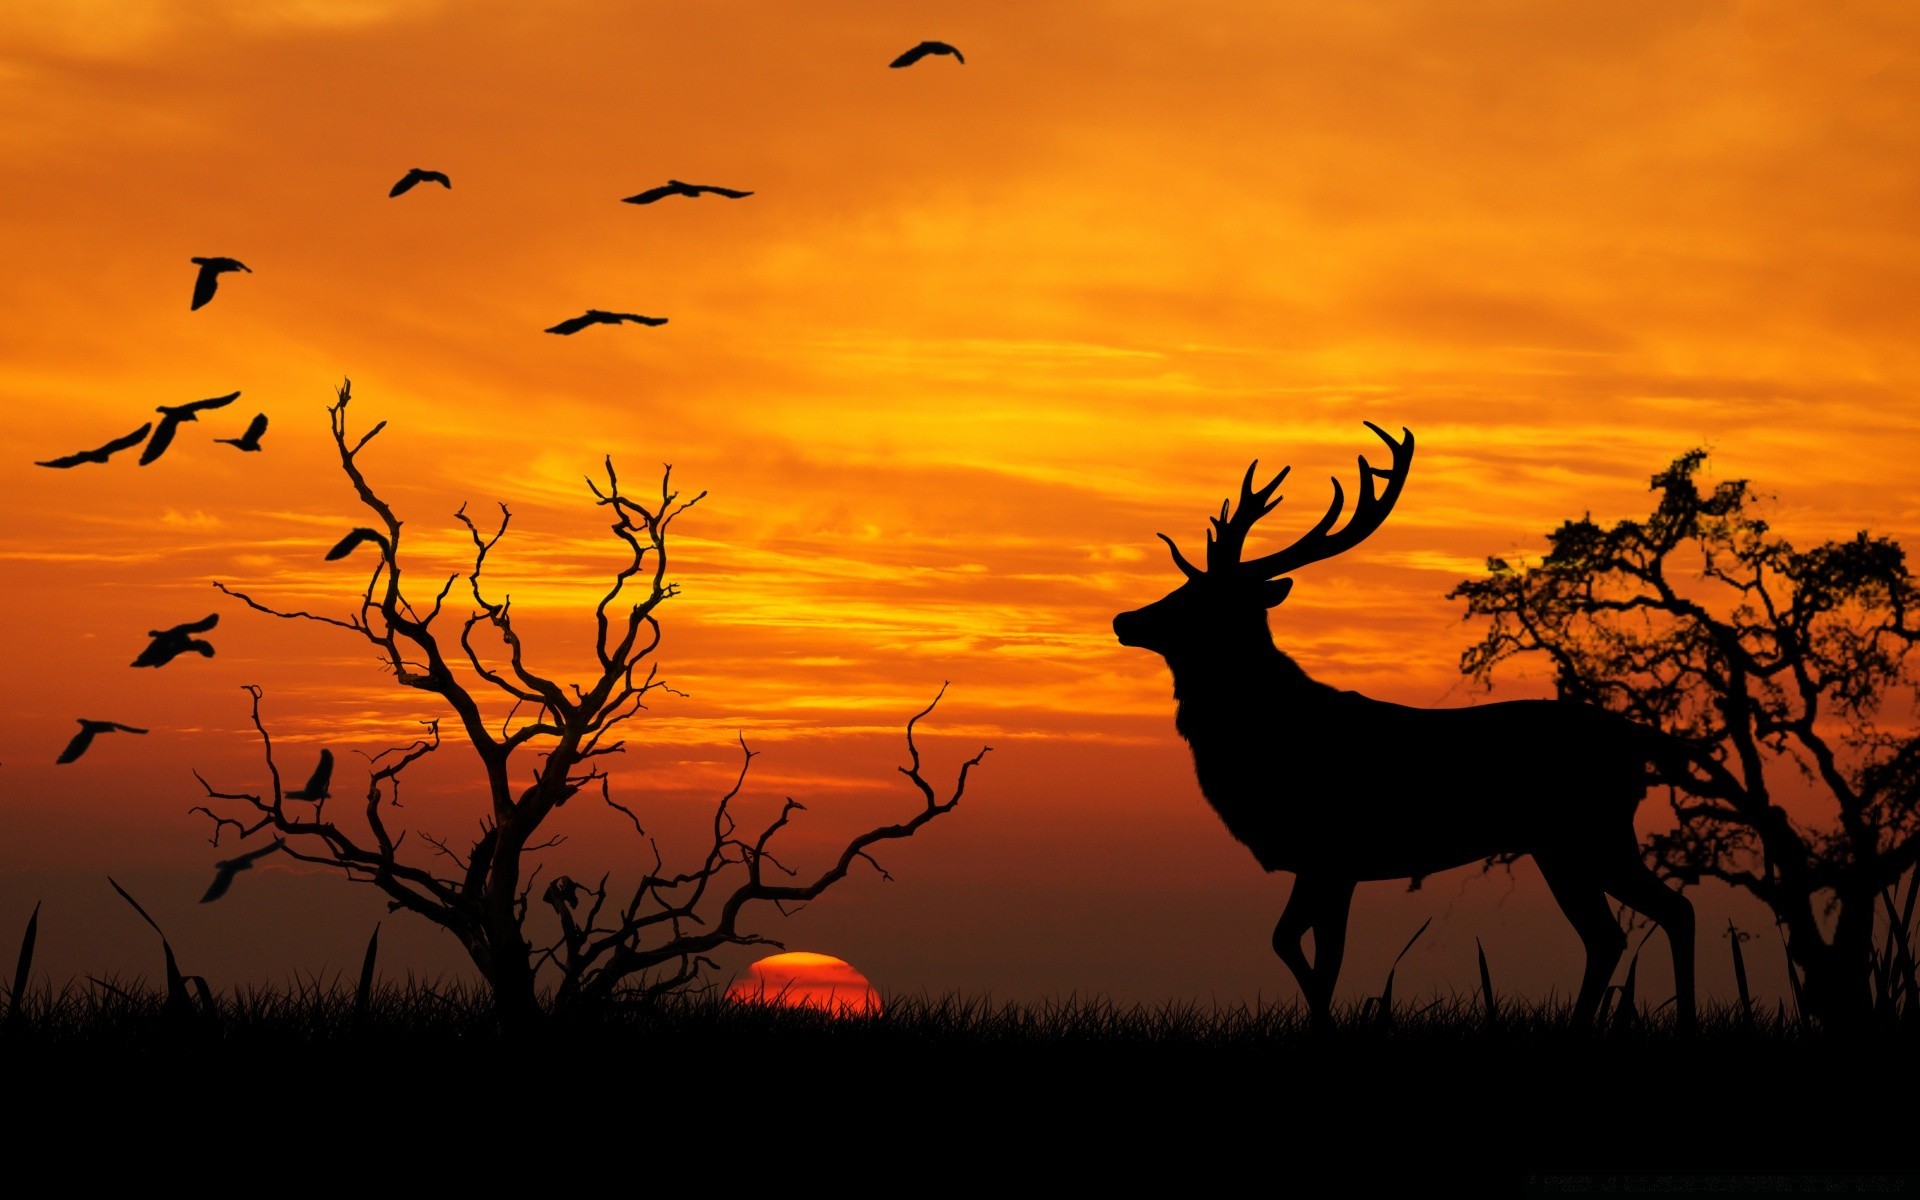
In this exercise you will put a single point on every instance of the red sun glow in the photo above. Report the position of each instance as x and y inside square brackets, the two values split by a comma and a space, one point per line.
[802, 979]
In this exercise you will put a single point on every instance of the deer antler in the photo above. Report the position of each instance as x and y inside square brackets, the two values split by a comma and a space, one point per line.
[1318, 543]
[1180, 560]
[1228, 537]
[1229, 532]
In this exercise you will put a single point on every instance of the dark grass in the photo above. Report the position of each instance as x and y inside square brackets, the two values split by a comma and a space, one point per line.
[334, 1012]
[1087, 1086]
[136, 1016]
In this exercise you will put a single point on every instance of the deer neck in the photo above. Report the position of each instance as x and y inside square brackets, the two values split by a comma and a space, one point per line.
[1237, 715]
[1221, 695]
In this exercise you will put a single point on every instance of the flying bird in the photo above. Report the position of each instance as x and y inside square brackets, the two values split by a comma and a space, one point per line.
[416, 175]
[922, 50]
[673, 187]
[250, 440]
[594, 316]
[84, 738]
[209, 277]
[103, 453]
[345, 545]
[172, 415]
[319, 783]
[226, 869]
[169, 644]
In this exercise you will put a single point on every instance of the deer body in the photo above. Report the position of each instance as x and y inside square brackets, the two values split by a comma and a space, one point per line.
[1339, 788]
[1351, 791]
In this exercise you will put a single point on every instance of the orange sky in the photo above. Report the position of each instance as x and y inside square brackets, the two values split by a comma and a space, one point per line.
[980, 332]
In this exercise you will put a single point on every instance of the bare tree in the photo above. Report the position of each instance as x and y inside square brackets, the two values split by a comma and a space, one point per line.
[652, 937]
[1769, 663]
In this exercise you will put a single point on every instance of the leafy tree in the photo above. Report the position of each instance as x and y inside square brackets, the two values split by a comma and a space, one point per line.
[539, 744]
[1784, 674]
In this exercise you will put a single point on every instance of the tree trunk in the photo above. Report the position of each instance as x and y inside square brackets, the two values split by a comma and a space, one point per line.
[504, 960]
[514, 1002]
[1836, 976]
[509, 970]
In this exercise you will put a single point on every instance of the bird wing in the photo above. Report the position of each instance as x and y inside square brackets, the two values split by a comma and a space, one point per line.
[84, 738]
[439, 177]
[574, 324]
[253, 856]
[162, 438]
[130, 440]
[100, 455]
[912, 56]
[345, 545]
[317, 782]
[199, 406]
[729, 193]
[255, 428]
[205, 283]
[646, 320]
[322, 776]
[200, 626]
[222, 880]
[225, 870]
[407, 182]
[78, 745]
[650, 195]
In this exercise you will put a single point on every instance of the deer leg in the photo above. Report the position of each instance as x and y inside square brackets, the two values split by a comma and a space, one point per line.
[1320, 905]
[1584, 901]
[1331, 907]
[1294, 923]
[1635, 885]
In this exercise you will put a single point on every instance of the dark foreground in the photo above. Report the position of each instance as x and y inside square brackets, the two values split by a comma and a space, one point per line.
[940, 1094]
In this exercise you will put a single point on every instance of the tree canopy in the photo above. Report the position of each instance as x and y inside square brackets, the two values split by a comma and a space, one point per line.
[1787, 674]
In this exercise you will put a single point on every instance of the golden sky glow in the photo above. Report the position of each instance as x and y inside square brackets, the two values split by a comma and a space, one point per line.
[980, 332]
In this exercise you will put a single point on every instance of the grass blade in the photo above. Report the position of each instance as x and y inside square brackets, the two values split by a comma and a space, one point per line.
[1486, 985]
[17, 997]
[1385, 1000]
[1626, 1009]
[209, 1011]
[1793, 981]
[1740, 973]
[1904, 984]
[1411, 941]
[136, 907]
[179, 1003]
[363, 995]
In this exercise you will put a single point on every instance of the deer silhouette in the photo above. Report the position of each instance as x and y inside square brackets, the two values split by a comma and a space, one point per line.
[1338, 788]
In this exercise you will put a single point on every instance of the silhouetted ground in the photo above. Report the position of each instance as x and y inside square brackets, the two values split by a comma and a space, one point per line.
[954, 1091]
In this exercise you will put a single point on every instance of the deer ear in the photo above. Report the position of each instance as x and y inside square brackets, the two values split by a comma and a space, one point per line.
[1274, 591]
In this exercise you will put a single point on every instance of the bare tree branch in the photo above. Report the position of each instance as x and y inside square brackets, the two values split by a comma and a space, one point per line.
[660, 937]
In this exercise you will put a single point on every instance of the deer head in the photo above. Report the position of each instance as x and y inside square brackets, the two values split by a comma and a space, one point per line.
[1220, 606]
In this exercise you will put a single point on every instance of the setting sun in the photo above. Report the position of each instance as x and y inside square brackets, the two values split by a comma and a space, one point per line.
[802, 979]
